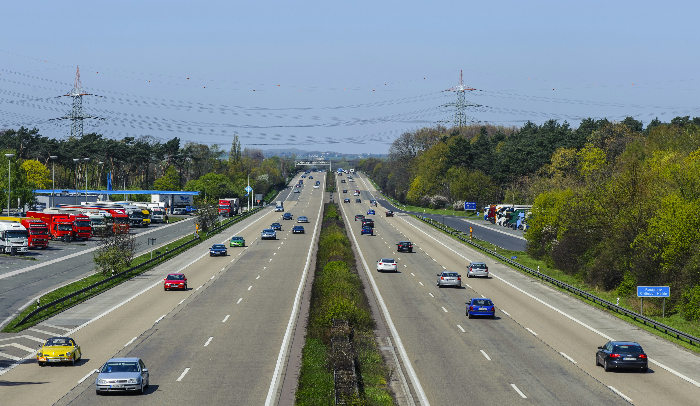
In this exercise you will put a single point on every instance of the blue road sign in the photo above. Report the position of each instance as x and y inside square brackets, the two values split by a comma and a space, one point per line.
[653, 291]
[248, 189]
[469, 205]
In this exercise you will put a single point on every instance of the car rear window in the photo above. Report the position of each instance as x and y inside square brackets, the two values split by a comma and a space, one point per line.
[479, 265]
[482, 302]
[450, 274]
[627, 348]
[386, 260]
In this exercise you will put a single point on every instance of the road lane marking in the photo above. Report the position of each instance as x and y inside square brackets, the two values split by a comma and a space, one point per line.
[226, 318]
[620, 393]
[460, 327]
[533, 333]
[412, 274]
[518, 390]
[159, 319]
[130, 341]
[212, 277]
[445, 310]
[42, 331]
[182, 301]
[183, 374]
[239, 301]
[405, 266]
[20, 346]
[421, 283]
[505, 312]
[468, 286]
[221, 269]
[198, 288]
[208, 341]
[270, 259]
[483, 296]
[486, 355]
[264, 268]
[431, 295]
[12, 357]
[250, 287]
[56, 327]
[257, 277]
[567, 357]
[87, 376]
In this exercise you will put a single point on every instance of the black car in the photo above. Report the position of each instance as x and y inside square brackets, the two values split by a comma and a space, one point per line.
[404, 246]
[359, 217]
[358, 200]
[345, 191]
[311, 177]
[276, 226]
[217, 250]
[287, 216]
[298, 230]
[342, 181]
[622, 354]
[346, 200]
[368, 222]
[390, 213]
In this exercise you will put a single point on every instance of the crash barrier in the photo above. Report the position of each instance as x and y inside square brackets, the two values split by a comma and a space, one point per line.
[611, 306]
[142, 266]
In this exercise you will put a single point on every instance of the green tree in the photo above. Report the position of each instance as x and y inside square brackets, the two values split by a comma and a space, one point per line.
[37, 175]
[169, 181]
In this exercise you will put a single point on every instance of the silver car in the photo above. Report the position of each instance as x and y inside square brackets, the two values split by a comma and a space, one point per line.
[447, 278]
[268, 233]
[477, 269]
[386, 264]
[122, 375]
[302, 219]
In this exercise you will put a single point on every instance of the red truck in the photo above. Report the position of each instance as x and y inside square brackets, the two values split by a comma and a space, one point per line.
[82, 230]
[115, 216]
[228, 207]
[120, 220]
[60, 226]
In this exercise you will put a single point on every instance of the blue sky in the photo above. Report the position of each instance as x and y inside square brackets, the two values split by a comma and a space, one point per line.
[340, 75]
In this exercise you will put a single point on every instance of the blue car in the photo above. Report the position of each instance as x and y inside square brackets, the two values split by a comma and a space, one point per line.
[276, 226]
[218, 250]
[481, 307]
[370, 211]
[367, 230]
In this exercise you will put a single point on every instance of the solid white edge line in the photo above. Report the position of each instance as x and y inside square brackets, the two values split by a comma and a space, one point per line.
[620, 394]
[159, 319]
[567, 357]
[461, 328]
[182, 301]
[272, 391]
[505, 312]
[130, 341]
[208, 341]
[226, 318]
[533, 333]
[485, 355]
[87, 376]
[518, 390]
[390, 323]
[182, 375]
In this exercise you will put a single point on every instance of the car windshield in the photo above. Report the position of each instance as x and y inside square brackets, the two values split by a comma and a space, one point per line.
[479, 265]
[56, 342]
[387, 260]
[628, 348]
[269, 230]
[176, 277]
[82, 223]
[218, 246]
[39, 231]
[64, 227]
[236, 238]
[111, 367]
[482, 302]
[136, 214]
[96, 222]
[157, 213]
[450, 274]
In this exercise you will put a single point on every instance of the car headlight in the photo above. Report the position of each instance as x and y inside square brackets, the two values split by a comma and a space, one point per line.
[133, 380]
[40, 354]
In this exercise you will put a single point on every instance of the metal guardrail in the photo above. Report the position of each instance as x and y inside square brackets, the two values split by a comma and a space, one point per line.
[636, 316]
[193, 241]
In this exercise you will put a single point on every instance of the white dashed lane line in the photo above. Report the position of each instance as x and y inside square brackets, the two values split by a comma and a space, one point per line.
[567, 357]
[130, 341]
[159, 319]
[461, 328]
[87, 376]
[198, 288]
[620, 393]
[445, 310]
[421, 283]
[533, 333]
[239, 301]
[182, 301]
[250, 287]
[505, 312]
[485, 355]
[225, 318]
[183, 374]
[518, 390]
[208, 341]
[431, 295]
[257, 277]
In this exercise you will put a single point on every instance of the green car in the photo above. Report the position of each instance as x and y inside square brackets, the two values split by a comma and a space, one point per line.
[237, 242]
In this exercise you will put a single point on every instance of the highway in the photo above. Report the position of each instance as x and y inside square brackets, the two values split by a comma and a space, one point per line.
[223, 341]
[534, 350]
[21, 280]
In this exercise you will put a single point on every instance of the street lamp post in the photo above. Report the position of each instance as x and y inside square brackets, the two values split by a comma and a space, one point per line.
[76, 179]
[53, 177]
[9, 184]
[86, 177]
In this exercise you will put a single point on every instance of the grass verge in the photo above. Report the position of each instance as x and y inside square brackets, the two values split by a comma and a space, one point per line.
[13, 326]
[338, 294]
[651, 309]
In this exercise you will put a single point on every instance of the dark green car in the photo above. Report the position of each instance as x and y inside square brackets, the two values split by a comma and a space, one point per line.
[237, 242]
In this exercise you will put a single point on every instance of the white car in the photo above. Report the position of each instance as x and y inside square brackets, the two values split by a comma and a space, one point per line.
[302, 219]
[315, 186]
[268, 233]
[387, 264]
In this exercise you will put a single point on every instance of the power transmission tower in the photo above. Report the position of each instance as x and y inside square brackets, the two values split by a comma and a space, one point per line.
[461, 104]
[76, 114]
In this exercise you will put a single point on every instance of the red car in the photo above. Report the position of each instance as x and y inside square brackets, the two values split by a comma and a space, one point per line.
[175, 281]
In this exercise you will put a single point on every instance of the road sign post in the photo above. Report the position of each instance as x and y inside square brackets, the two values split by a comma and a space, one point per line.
[469, 206]
[653, 291]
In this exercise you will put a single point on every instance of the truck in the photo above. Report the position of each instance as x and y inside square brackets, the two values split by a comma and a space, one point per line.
[60, 226]
[37, 230]
[13, 237]
[279, 205]
[228, 206]
[82, 227]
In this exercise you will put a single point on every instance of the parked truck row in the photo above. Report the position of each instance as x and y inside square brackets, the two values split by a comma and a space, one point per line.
[508, 215]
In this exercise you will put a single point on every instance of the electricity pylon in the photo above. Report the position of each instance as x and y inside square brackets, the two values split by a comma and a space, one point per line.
[76, 114]
[461, 104]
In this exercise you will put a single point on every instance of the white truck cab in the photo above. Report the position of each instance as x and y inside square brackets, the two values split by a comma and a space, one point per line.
[13, 237]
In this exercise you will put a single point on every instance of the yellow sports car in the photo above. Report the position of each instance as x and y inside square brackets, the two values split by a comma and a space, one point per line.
[59, 349]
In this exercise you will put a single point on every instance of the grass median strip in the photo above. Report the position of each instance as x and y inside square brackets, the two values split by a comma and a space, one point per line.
[340, 340]
[78, 285]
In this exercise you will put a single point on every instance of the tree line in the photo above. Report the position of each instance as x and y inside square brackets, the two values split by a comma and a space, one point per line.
[614, 203]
